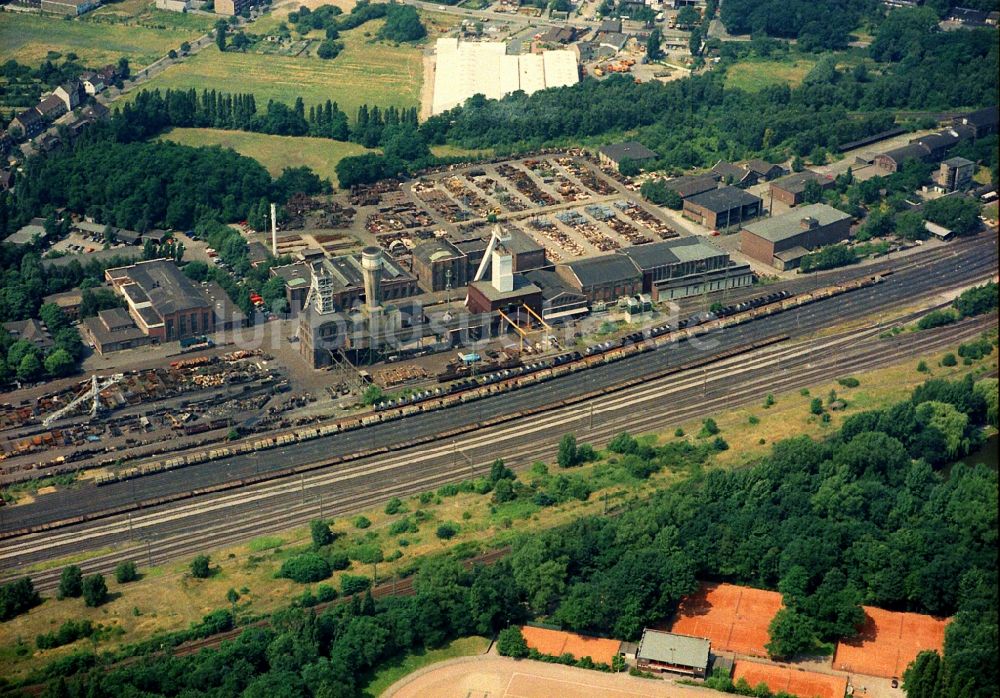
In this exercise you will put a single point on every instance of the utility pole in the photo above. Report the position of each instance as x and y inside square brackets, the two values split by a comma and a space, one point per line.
[591, 416]
[302, 486]
[130, 526]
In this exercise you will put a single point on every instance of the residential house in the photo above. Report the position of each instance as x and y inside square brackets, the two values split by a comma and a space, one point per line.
[69, 93]
[30, 330]
[51, 108]
[93, 84]
[29, 123]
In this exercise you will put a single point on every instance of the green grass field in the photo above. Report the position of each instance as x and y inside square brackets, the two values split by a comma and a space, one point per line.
[378, 74]
[753, 75]
[29, 38]
[273, 152]
[393, 670]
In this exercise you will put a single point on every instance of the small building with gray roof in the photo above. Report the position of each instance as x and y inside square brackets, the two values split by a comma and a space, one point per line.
[692, 185]
[613, 155]
[781, 241]
[669, 652]
[722, 208]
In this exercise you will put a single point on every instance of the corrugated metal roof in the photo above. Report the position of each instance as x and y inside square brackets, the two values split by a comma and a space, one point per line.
[681, 650]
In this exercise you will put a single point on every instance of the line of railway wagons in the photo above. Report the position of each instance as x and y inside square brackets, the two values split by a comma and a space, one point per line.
[470, 389]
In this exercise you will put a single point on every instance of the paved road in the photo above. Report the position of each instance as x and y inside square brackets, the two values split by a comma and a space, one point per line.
[187, 526]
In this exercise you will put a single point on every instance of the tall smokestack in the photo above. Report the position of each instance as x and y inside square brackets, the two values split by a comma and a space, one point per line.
[371, 265]
[274, 230]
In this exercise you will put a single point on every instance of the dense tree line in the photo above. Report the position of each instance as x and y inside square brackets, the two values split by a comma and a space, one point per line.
[815, 25]
[866, 516]
[153, 112]
[142, 185]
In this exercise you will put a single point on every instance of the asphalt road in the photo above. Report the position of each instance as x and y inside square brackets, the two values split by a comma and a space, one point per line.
[969, 262]
[183, 527]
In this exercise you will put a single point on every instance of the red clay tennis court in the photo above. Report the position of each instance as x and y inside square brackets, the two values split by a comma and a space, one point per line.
[734, 618]
[888, 642]
[807, 684]
[557, 642]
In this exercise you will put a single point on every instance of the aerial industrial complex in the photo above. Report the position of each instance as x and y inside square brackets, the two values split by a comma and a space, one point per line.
[639, 349]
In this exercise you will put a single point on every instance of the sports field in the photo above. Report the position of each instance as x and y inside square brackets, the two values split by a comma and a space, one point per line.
[734, 618]
[559, 642]
[28, 39]
[796, 682]
[273, 152]
[888, 642]
[502, 677]
[381, 74]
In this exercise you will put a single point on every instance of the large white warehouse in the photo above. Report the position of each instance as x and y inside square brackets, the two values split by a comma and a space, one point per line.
[468, 68]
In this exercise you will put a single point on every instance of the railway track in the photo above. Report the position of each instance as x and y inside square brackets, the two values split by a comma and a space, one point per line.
[237, 516]
[846, 308]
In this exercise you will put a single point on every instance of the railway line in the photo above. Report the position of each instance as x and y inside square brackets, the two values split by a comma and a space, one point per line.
[742, 380]
[178, 529]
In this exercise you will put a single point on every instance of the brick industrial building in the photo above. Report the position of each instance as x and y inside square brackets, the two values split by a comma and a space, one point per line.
[685, 266]
[615, 154]
[166, 305]
[346, 281]
[722, 208]
[602, 279]
[783, 240]
[790, 190]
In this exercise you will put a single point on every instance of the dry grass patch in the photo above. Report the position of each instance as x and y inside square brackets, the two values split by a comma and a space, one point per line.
[366, 72]
[275, 153]
[28, 39]
[754, 75]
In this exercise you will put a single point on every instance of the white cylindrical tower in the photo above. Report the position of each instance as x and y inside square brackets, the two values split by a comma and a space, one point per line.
[371, 264]
[274, 230]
